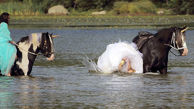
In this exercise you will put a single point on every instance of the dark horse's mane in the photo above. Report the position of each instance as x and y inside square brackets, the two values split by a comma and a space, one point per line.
[155, 48]
[144, 36]
[165, 34]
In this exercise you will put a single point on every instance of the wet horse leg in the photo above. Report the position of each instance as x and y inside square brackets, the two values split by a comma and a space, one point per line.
[164, 67]
[146, 68]
[149, 67]
[163, 70]
[154, 70]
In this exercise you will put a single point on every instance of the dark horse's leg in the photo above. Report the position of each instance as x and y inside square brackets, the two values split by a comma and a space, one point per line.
[146, 68]
[163, 70]
[164, 66]
[149, 66]
[154, 70]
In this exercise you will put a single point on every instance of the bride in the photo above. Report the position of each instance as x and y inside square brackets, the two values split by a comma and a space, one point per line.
[122, 57]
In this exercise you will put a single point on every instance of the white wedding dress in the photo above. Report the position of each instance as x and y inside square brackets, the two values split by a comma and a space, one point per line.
[109, 61]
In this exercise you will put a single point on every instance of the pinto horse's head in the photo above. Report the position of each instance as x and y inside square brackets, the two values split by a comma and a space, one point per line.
[178, 41]
[47, 46]
[27, 50]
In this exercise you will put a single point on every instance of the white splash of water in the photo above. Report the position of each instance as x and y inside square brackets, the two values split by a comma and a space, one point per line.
[90, 64]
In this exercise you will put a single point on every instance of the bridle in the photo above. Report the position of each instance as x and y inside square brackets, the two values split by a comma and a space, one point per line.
[52, 48]
[174, 44]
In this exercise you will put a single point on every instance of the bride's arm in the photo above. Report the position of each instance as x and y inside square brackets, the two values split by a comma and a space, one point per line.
[123, 61]
[130, 69]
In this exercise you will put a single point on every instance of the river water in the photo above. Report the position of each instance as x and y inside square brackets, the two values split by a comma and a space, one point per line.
[67, 83]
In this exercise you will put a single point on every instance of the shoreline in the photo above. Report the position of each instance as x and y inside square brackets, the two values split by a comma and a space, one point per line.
[103, 21]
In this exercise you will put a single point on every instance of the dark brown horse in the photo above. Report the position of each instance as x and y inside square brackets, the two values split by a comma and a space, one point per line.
[156, 47]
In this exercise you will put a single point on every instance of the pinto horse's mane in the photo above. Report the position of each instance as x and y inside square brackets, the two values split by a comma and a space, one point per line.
[24, 39]
[34, 38]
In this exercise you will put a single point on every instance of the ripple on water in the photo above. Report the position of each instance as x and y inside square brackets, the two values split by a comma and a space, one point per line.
[67, 83]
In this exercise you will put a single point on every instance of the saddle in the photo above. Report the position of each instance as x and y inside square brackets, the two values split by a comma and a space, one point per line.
[142, 38]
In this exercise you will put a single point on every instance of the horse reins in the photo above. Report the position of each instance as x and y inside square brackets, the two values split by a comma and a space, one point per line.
[53, 51]
[25, 50]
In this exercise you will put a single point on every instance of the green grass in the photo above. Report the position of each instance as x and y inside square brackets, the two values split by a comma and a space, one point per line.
[103, 21]
[18, 8]
[28, 7]
[137, 7]
[24, 14]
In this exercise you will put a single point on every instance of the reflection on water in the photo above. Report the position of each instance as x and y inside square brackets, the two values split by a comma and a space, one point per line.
[67, 83]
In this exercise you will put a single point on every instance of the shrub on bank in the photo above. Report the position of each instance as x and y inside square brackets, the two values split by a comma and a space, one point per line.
[19, 8]
[137, 7]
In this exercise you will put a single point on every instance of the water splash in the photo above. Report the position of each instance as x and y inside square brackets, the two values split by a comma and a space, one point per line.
[90, 64]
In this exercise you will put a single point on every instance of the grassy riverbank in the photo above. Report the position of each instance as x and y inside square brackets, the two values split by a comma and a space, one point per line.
[103, 21]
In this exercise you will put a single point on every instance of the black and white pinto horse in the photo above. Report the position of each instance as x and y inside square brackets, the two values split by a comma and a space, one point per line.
[27, 50]
[155, 47]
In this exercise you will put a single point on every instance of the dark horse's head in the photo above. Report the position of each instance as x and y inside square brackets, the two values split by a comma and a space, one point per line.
[177, 39]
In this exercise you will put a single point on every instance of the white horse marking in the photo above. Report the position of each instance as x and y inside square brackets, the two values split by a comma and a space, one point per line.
[35, 39]
[25, 61]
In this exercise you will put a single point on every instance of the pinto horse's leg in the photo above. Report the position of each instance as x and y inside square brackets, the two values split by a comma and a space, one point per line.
[0, 73]
[163, 70]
